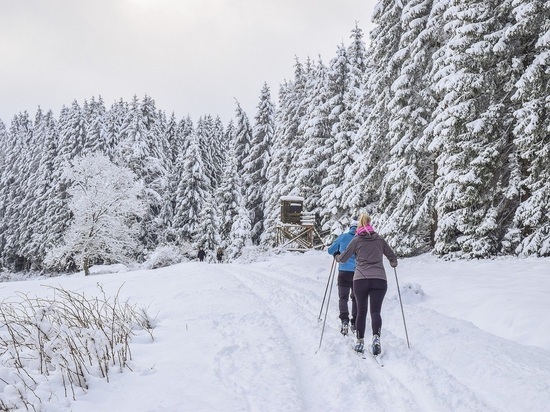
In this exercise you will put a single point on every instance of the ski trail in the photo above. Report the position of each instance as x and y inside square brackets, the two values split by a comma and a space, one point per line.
[289, 310]
[409, 381]
[369, 382]
[257, 334]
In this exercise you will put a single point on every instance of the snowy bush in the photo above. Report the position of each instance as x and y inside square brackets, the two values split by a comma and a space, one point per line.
[163, 256]
[51, 347]
[412, 293]
[254, 254]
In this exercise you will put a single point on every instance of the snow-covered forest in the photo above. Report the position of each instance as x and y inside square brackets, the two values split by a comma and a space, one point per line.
[437, 125]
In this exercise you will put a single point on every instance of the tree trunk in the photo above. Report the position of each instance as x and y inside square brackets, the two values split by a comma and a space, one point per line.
[86, 266]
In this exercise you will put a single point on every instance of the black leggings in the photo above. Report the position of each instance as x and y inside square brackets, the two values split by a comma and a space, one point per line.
[375, 290]
[345, 286]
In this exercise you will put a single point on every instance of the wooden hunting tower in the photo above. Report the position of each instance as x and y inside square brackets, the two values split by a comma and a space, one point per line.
[291, 209]
[297, 230]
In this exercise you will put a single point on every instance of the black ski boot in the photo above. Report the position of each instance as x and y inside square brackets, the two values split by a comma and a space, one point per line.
[360, 346]
[345, 327]
[376, 349]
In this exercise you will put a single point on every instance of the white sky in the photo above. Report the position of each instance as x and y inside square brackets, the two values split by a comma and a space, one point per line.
[192, 56]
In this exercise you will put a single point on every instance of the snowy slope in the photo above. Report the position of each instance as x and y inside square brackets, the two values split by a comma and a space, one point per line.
[245, 337]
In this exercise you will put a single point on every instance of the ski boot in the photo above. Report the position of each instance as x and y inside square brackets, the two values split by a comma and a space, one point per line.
[376, 349]
[360, 346]
[345, 327]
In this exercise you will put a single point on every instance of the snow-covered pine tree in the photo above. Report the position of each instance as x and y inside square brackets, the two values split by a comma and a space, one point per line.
[284, 147]
[141, 150]
[308, 162]
[240, 232]
[371, 140]
[192, 193]
[228, 197]
[94, 114]
[204, 135]
[29, 188]
[179, 144]
[20, 149]
[186, 129]
[243, 138]
[469, 130]
[404, 222]
[72, 132]
[257, 161]
[173, 136]
[207, 229]
[113, 123]
[57, 213]
[166, 215]
[243, 135]
[349, 123]
[530, 233]
[228, 139]
[46, 139]
[106, 203]
[337, 147]
[219, 149]
[42, 236]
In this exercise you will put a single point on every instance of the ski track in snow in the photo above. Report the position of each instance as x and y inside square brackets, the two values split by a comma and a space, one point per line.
[414, 380]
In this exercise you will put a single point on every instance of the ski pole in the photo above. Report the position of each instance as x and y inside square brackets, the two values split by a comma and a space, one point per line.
[401, 303]
[326, 309]
[326, 289]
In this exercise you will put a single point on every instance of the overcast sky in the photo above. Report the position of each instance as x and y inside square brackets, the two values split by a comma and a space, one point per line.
[191, 56]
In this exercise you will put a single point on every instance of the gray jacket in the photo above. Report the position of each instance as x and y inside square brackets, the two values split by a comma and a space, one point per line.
[369, 249]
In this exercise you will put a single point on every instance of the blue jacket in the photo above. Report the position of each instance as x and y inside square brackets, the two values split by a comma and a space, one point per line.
[340, 244]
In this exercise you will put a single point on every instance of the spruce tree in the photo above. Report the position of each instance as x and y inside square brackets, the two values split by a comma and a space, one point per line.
[141, 149]
[530, 232]
[336, 149]
[192, 193]
[469, 131]
[228, 197]
[243, 135]
[94, 114]
[257, 161]
[309, 163]
[371, 145]
[14, 178]
[42, 225]
[283, 150]
[405, 224]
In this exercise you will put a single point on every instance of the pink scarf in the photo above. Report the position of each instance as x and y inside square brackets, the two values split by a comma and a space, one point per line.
[364, 229]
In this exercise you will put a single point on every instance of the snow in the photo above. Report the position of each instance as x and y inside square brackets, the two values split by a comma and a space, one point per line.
[292, 198]
[246, 336]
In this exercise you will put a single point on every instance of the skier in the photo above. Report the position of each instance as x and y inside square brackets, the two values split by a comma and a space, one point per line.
[345, 279]
[202, 254]
[369, 280]
[219, 255]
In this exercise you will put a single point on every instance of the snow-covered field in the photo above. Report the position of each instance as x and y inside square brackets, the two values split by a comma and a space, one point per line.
[245, 337]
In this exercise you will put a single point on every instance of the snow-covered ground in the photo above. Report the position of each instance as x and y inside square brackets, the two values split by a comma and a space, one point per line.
[245, 337]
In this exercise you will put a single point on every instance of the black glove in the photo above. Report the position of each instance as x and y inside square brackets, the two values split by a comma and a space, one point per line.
[336, 254]
[393, 264]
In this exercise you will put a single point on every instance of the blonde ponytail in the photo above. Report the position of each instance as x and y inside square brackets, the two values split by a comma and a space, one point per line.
[364, 220]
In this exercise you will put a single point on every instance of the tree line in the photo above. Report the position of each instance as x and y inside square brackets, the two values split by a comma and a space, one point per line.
[438, 129]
